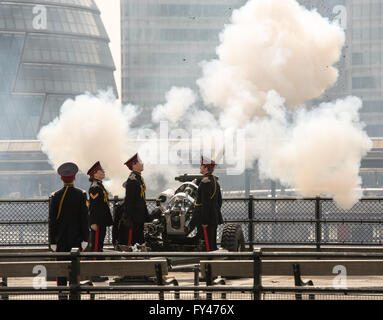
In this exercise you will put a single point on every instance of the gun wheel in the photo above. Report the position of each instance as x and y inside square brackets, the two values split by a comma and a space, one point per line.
[232, 238]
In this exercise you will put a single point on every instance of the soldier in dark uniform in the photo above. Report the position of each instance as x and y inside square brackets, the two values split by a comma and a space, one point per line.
[207, 213]
[99, 210]
[120, 231]
[135, 211]
[68, 215]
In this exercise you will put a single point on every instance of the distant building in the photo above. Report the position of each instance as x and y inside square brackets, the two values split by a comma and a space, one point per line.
[163, 42]
[361, 64]
[50, 50]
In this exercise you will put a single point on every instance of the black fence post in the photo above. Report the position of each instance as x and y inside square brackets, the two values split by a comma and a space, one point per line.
[251, 223]
[196, 281]
[4, 283]
[257, 281]
[160, 280]
[318, 230]
[74, 275]
[209, 280]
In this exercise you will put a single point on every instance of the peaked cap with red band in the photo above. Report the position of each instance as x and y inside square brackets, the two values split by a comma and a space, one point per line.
[94, 168]
[67, 171]
[208, 162]
[133, 160]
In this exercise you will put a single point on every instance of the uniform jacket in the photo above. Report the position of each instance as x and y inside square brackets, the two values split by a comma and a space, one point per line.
[135, 200]
[99, 210]
[209, 202]
[120, 232]
[70, 224]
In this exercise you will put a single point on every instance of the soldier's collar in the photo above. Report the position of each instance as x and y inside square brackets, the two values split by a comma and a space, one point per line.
[68, 184]
[139, 173]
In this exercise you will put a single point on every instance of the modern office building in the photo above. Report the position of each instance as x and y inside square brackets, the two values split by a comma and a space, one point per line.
[163, 42]
[360, 69]
[361, 65]
[50, 50]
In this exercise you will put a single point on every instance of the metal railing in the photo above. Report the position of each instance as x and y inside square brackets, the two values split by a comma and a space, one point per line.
[290, 221]
[255, 291]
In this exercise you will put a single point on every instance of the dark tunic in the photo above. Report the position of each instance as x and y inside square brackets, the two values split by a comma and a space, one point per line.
[99, 210]
[68, 227]
[120, 231]
[99, 214]
[209, 201]
[207, 210]
[135, 211]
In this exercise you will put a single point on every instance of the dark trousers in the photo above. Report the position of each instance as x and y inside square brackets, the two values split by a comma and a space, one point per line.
[210, 237]
[63, 246]
[136, 234]
[97, 238]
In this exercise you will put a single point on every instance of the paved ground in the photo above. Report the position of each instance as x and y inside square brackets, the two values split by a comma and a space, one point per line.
[187, 279]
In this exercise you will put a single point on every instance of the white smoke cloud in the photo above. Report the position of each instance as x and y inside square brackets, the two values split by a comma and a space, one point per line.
[273, 57]
[178, 101]
[97, 128]
[270, 45]
[318, 153]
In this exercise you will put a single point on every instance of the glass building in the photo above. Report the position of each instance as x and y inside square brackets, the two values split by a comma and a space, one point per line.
[50, 50]
[360, 70]
[41, 67]
[361, 65]
[163, 42]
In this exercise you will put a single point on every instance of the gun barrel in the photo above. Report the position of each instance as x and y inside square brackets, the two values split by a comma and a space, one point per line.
[190, 177]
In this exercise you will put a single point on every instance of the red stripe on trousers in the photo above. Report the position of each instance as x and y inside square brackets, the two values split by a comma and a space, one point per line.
[130, 235]
[96, 241]
[206, 239]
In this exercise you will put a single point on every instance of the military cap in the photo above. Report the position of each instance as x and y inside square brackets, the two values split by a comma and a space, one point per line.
[133, 160]
[207, 162]
[68, 170]
[94, 169]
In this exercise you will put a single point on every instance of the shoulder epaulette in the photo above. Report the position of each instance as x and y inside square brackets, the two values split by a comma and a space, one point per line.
[132, 176]
[205, 180]
[94, 184]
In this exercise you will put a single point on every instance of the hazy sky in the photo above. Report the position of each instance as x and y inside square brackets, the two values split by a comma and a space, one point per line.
[110, 15]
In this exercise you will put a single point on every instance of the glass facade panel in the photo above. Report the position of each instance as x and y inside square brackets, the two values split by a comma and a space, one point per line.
[364, 82]
[52, 107]
[59, 20]
[56, 49]
[19, 116]
[78, 3]
[40, 78]
[9, 60]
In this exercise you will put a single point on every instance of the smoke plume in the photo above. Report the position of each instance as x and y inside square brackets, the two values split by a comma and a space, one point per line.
[270, 45]
[96, 128]
[272, 58]
[318, 152]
